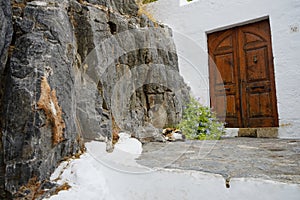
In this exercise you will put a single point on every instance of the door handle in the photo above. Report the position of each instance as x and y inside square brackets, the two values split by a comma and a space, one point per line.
[255, 59]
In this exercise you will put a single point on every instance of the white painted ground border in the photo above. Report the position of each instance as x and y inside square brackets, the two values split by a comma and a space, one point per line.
[99, 175]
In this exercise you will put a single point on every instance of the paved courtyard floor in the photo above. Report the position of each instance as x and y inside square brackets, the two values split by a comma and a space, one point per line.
[268, 159]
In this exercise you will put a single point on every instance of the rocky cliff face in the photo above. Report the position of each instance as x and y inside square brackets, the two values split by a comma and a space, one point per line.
[79, 70]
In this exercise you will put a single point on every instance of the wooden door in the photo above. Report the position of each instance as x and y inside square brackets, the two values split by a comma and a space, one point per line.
[242, 85]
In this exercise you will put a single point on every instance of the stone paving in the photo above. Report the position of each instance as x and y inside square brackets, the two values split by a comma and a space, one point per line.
[240, 157]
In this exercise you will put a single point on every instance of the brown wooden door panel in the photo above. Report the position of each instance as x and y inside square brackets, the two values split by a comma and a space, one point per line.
[257, 75]
[224, 81]
[256, 65]
[243, 58]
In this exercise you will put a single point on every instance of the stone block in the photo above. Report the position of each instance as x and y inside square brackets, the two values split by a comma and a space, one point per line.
[247, 132]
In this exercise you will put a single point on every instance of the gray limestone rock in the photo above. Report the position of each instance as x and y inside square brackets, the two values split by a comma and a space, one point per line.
[44, 50]
[125, 7]
[6, 32]
[80, 71]
[135, 70]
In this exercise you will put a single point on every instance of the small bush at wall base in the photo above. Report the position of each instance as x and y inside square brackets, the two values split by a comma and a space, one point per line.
[200, 123]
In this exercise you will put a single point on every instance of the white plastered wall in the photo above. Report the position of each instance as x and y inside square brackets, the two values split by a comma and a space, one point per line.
[192, 21]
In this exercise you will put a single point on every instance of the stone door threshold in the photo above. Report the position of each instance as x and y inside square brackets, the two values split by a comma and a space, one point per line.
[266, 132]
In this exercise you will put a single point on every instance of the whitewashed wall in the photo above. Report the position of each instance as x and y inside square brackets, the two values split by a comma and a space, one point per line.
[192, 21]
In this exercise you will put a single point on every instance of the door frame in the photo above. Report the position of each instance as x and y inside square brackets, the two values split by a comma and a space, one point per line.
[251, 21]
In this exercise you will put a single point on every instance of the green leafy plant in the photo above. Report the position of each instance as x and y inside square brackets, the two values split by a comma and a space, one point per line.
[200, 123]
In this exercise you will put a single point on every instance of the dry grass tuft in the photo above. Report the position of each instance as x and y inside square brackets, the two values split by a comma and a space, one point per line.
[142, 10]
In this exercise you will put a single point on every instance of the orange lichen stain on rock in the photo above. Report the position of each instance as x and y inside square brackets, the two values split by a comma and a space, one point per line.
[115, 135]
[49, 104]
[64, 186]
[115, 131]
[31, 190]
